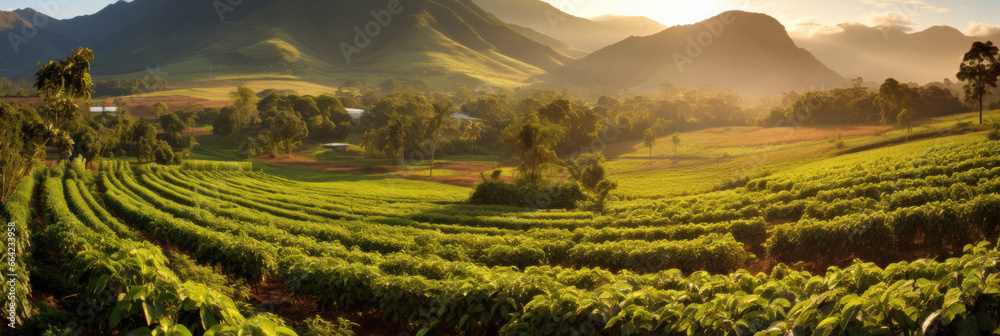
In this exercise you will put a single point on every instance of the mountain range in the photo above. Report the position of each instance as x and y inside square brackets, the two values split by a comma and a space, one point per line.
[748, 52]
[507, 43]
[580, 33]
[451, 39]
[876, 53]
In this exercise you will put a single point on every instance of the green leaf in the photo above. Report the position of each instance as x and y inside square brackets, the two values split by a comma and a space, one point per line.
[144, 331]
[148, 310]
[97, 285]
[825, 327]
[282, 331]
[181, 330]
[115, 318]
[207, 318]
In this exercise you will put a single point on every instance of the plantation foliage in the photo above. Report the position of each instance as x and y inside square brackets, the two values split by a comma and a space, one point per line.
[430, 261]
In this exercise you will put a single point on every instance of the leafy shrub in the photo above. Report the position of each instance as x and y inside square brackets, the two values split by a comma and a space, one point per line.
[203, 165]
[163, 153]
[553, 195]
[317, 326]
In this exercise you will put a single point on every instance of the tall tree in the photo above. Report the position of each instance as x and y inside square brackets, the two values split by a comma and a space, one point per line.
[285, 130]
[531, 144]
[63, 84]
[161, 108]
[906, 118]
[438, 125]
[396, 133]
[676, 139]
[472, 132]
[979, 70]
[891, 96]
[244, 110]
[649, 140]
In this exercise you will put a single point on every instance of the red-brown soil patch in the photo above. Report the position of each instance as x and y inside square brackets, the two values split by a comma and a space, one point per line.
[142, 107]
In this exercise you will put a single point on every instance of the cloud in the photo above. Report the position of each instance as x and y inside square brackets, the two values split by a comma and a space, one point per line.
[936, 9]
[906, 6]
[811, 26]
[887, 3]
[981, 29]
[890, 19]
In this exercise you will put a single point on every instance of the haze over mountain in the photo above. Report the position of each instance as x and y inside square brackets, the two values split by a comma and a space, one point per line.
[451, 39]
[746, 52]
[879, 53]
[445, 41]
[581, 33]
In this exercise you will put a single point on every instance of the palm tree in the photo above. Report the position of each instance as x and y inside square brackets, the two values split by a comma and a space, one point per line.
[434, 129]
[472, 132]
[980, 69]
[396, 133]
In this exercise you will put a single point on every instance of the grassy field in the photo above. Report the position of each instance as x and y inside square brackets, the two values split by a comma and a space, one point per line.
[707, 158]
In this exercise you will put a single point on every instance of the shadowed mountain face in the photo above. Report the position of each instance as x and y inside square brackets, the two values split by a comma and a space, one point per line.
[746, 52]
[877, 54]
[444, 41]
[397, 38]
[580, 33]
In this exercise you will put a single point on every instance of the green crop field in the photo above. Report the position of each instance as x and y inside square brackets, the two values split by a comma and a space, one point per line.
[830, 246]
[499, 168]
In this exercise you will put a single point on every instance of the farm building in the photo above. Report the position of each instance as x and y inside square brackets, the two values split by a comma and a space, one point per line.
[355, 113]
[103, 109]
[464, 116]
[336, 146]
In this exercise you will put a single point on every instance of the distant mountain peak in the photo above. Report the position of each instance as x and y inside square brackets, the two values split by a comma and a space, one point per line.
[878, 53]
[580, 33]
[943, 31]
[745, 51]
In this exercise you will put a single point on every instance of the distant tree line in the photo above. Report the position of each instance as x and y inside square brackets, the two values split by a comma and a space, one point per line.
[16, 88]
[862, 105]
[127, 86]
[275, 122]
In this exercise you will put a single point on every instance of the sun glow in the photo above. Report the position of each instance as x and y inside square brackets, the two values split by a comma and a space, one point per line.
[671, 13]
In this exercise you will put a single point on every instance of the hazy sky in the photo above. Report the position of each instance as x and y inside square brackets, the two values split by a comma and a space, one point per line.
[802, 16]
[977, 17]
